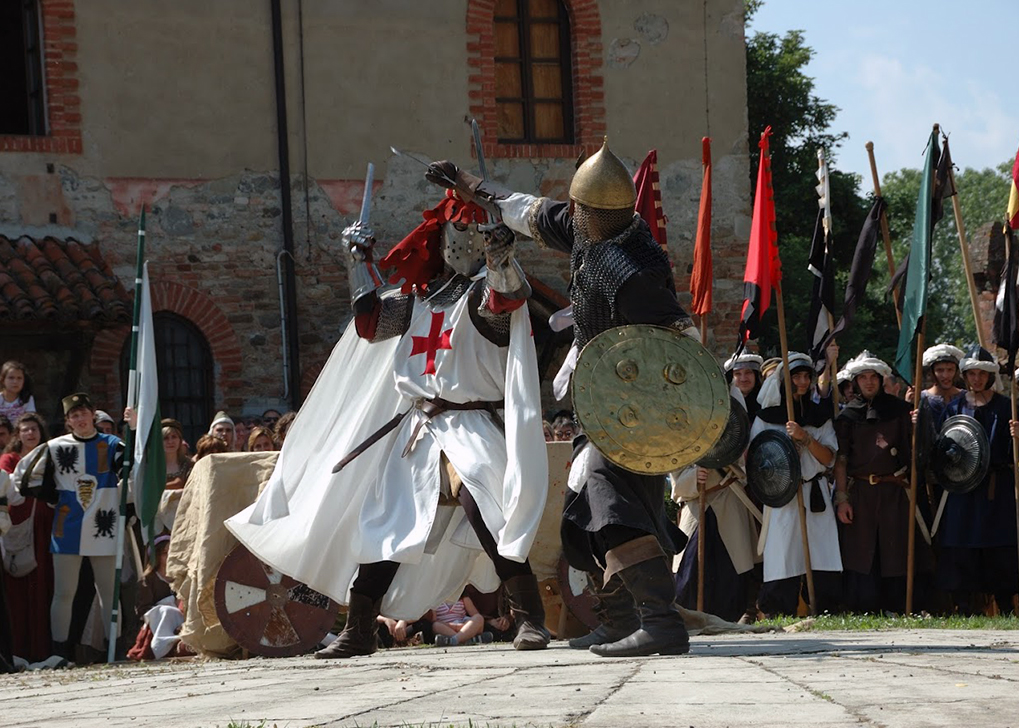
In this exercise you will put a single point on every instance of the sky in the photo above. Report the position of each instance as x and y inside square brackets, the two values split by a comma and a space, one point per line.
[896, 67]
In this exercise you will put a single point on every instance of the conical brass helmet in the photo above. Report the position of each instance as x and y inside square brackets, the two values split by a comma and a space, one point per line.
[603, 183]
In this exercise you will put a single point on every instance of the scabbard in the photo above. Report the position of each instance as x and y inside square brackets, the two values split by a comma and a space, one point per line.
[375, 437]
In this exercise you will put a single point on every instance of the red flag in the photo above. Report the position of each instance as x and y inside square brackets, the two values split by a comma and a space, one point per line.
[701, 278]
[764, 269]
[1013, 196]
[649, 197]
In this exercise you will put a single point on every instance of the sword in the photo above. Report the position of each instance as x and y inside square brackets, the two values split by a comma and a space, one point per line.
[366, 199]
[494, 212]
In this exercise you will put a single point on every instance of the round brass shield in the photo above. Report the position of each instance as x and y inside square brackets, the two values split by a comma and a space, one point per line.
[649, 398]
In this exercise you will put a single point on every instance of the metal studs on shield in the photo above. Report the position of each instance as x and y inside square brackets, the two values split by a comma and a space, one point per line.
[268, 613]
[649, 398]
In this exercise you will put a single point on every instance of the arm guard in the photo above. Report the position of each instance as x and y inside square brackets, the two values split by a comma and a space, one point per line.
[505, 275]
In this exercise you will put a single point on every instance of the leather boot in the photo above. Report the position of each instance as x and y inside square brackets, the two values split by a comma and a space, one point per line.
[528, 612]
[360, 634]
[651, 582]
[616, 612]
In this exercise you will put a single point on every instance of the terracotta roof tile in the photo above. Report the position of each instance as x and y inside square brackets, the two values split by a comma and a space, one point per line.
[60, 281]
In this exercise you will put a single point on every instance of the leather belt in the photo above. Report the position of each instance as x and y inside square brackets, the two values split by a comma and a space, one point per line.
[874, 479]
[430, 408]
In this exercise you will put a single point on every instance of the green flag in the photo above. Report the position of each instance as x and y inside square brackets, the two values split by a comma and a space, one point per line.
[914, 300]
[149, 458]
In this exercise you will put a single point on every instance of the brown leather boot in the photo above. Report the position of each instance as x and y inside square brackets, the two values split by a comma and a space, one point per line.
[650, 580]
[528, 612]
[360, 635]
[615, 610]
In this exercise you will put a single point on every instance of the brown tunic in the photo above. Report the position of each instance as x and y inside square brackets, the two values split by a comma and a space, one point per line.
[881, 511]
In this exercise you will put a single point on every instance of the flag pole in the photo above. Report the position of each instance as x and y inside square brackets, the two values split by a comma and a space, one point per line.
[702, 505]
[128, 463]
[833, 368]
[967, 264]
[790, 413]
[1015, 457]
[885, 232]
[914, 472]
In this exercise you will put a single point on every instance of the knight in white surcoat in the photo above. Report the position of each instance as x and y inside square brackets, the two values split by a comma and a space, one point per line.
[450, 490]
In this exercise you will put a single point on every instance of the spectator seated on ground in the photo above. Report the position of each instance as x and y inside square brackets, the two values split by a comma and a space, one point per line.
[459, 623]
[492, 606]
[161, 611]
[400, 633]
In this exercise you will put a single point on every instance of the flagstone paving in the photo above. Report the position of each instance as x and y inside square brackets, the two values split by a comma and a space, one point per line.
[828, 679]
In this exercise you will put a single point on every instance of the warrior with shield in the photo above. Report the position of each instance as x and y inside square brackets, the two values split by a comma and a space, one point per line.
[614, 524]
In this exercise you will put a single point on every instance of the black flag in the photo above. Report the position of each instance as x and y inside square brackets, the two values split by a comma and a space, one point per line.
[1006, 317]
[859, 272]
[822, 297]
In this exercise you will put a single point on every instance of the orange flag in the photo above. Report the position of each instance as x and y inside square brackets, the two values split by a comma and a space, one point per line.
[701, 279]
[1013, 196]
[649, 197]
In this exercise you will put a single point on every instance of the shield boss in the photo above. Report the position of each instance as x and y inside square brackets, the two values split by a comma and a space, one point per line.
[649, 398]
[266, 612]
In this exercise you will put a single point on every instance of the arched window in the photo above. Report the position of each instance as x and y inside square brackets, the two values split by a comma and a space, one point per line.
[533, 77]
[184, 360]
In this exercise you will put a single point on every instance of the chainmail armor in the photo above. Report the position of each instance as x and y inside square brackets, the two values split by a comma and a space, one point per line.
[446, 294]
[591, 225]
[493, 326]
[394, 316]
[599, 269]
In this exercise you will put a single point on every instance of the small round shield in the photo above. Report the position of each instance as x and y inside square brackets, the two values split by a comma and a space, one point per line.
[961, 455]
[649, 398]
[734, 440]
[267, 613]
[773, 468]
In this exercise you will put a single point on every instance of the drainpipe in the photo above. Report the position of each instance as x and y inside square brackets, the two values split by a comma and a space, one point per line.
[291, 348]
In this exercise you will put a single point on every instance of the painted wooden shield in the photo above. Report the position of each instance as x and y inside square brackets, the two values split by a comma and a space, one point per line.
[268, 613]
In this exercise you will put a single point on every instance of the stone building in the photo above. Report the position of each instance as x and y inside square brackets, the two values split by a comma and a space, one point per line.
[175, 106]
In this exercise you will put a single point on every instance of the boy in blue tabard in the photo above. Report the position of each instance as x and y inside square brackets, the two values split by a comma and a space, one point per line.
[78, 474]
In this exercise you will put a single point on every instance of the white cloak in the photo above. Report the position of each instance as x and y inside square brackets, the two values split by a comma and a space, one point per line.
[781, 539]
[317, 527]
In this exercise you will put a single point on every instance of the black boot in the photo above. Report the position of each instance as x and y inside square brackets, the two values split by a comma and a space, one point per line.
[360, 635]
[528, 612]
[63, 650]
[661, 627]
[615, 610]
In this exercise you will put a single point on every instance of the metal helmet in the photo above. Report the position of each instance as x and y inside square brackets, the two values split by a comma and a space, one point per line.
[773, 468]
[603, 182]
[961, 455]
[733, 441]
[462, 247]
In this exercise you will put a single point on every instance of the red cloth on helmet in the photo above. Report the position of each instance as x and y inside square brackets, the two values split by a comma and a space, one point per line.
[416, 259]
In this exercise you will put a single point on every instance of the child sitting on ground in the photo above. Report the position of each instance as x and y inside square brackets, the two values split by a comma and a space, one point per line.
[459, 623]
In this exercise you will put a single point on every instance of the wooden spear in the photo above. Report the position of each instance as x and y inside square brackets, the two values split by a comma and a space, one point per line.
[702, 497]
[914, 472]
[790, 413]
[885, 233]
[960, 227]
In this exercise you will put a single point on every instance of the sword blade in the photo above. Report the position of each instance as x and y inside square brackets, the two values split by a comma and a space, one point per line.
[366, 199]
[477, 148]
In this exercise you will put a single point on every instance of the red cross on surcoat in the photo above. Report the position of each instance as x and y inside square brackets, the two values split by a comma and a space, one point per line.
[429, 345]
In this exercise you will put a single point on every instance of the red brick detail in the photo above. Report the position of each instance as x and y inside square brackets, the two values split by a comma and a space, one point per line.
[190, 303]
[60, 67]
[588, 96]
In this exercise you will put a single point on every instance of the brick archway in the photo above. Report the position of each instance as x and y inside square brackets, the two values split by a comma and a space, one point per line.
[190, 303]
[588, 93]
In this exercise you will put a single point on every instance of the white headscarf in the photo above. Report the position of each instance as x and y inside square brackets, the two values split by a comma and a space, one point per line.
[771, 391]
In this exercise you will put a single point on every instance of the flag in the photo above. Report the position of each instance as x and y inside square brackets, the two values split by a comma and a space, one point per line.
[1006, 315]
[764, 269]
[148, 473]
[916, 281]
[649, 197]
[1013, 196]
[822, 298]
[859, 271]
[701, 278]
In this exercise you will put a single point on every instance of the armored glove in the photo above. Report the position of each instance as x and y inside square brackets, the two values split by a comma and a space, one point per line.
[363, 274]
[504, 272]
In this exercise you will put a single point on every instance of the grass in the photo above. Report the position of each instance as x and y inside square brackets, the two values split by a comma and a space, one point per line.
[860, 622]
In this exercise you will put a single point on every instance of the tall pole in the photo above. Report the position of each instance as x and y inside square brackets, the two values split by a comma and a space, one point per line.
[791, 415]
[960, 228]
[914, 473]
[702, 506]
[886, 234]
[128, 463]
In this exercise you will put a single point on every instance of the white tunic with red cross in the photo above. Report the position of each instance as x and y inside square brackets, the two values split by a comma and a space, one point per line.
[442, 355]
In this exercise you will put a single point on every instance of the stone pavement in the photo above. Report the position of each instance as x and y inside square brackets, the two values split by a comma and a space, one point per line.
[827, 679]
